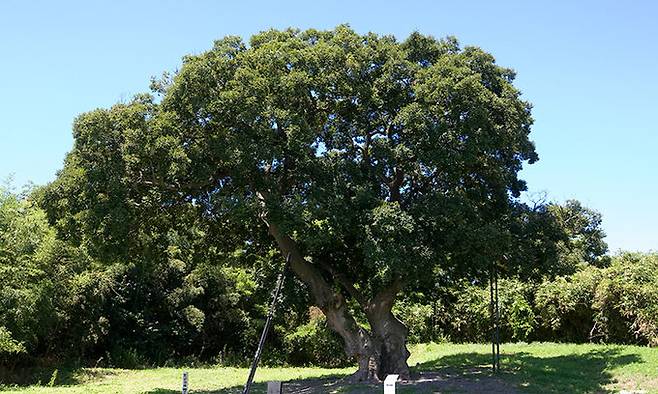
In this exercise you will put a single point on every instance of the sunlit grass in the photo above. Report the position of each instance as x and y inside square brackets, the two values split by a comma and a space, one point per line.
[535, 368]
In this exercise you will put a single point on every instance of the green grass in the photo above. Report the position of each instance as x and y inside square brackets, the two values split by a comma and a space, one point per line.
[533, 368]
[551, 367]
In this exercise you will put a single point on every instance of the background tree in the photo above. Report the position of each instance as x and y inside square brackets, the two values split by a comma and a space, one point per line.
[371, 162]
[584, 242]
[27, 243]
[549, 239]
[549, 244]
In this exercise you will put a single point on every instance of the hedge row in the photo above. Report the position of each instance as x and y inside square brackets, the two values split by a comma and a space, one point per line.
[617, 304]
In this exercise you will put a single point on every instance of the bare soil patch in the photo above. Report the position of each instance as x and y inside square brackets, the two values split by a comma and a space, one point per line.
[476, 380]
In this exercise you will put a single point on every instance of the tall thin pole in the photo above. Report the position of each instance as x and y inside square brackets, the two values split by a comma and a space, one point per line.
[493, 318]
[268, 323]
[497, 322]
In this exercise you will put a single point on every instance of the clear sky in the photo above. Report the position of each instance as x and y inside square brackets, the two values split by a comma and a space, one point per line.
[589, 67]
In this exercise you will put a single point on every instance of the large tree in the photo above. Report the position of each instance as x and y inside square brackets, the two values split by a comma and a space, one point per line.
[373, 163]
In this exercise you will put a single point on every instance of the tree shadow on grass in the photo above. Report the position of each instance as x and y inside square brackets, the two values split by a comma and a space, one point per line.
[320, 384]
[464, 372]
[50, 376]
[577, 373]
[471, 372]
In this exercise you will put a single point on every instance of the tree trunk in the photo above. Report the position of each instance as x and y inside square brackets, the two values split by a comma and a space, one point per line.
[390, 332]
[378, 353]
[359, 344]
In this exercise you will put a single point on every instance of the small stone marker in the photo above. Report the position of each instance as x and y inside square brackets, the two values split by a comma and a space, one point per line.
[274, 387]
[389, 384]
[184, 388]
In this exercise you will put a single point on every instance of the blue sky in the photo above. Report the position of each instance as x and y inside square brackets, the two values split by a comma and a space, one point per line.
[589, 67]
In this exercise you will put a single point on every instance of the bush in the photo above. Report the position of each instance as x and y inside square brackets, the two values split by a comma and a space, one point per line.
[26, 244]
[418, 319]
[626, 300]
[315, 344]
[564, 306]
[617, 304]
[10, 349]
[469, 318]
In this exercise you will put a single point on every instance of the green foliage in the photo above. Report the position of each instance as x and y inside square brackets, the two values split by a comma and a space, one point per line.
[170, 301]
[418, 319]
[547, 240]
[626, 300]
[564, 305]
[184, 299]
[616, 304]
[521, 319]
[381, 161]
[313, 343]
[376, 160]
[53, 378]
[10, 349]
[584, 242]
[468, 317]
[27, 245]
[359, 147]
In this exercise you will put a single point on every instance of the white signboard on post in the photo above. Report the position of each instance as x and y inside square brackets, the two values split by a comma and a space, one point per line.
[389, 384]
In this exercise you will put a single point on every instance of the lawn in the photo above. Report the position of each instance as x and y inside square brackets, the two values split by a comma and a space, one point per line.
[532, 368]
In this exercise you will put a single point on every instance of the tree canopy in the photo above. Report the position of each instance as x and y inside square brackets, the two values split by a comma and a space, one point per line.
[374, 163]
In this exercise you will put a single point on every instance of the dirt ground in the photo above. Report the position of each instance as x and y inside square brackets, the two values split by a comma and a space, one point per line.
[471, 381]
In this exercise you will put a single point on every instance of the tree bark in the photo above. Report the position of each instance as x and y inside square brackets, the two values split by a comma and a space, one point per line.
[390, 332]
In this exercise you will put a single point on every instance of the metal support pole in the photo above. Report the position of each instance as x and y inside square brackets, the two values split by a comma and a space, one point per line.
[493, 319]
[494, 309]
[184, 388]
[497, 322]
[268, 323]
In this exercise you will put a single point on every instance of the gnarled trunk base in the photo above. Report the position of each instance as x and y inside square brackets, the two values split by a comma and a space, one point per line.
[380, 363]
[380, 352]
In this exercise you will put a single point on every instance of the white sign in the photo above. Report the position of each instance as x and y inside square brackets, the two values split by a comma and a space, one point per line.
[389, 384]
[274, 387]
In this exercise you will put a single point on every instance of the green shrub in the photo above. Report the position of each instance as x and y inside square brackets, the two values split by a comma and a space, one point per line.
[564, 306]
[27, 271]
[418, 319]
[125, 358]
[12, 352]
[10, 349]
[521, 319]
[617, 304]
[469, 318]
[626, 300]
[315, 344]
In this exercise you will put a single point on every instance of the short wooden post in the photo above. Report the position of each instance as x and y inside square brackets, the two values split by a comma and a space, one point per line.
[389, 384]
[274, 387]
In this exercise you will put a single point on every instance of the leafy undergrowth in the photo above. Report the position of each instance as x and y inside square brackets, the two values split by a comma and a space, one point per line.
[533, 368]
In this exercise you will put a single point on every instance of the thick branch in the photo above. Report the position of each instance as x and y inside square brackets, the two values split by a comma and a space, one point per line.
[385, 298]
[395, 185]
[178, 187]
[348, 285]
